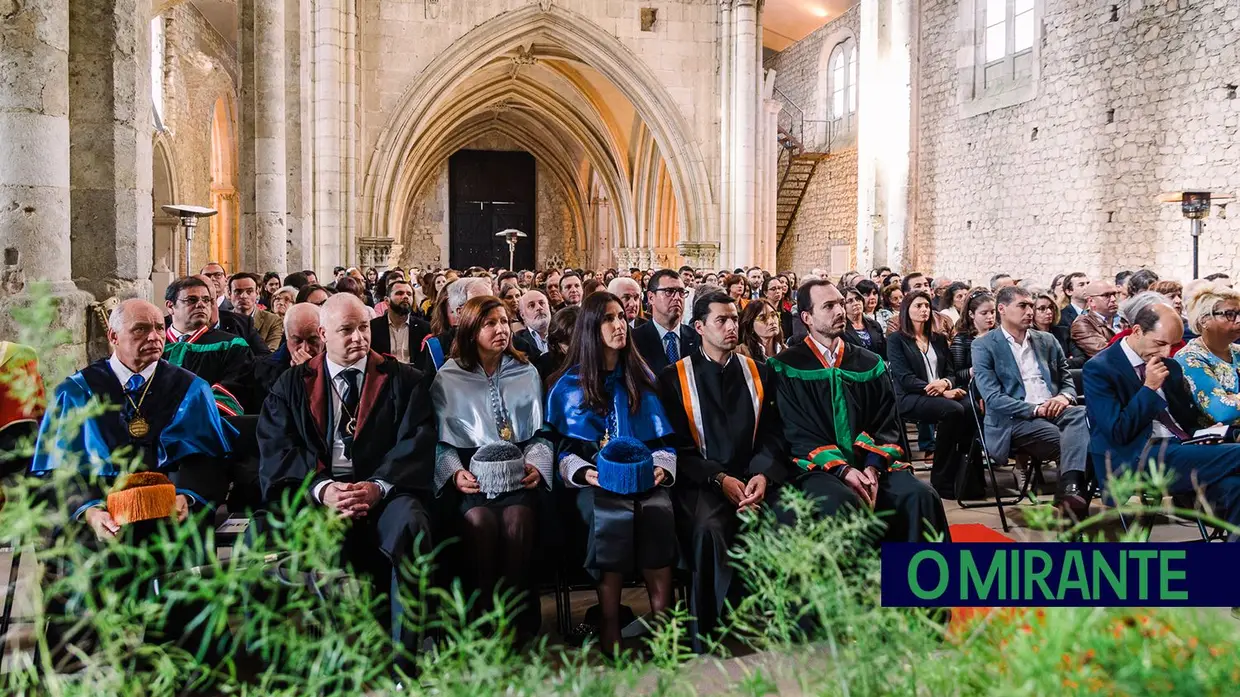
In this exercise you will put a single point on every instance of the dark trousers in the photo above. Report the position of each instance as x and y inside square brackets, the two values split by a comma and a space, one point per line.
[1213, 468]
[706, 523]
[915, 509]
[955, 431]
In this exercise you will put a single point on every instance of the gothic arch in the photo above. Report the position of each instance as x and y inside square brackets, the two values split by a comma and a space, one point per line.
[386, 183]
[165, 190]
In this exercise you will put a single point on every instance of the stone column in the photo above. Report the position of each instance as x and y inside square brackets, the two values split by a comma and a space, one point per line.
[769, 187]
[34, 166]
[270, 241]
[725, 130]
[110, 144]
[745, 122]
[34, 139]
[328, 54]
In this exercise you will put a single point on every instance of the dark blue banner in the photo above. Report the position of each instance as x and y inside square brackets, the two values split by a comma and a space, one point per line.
[1056, 574]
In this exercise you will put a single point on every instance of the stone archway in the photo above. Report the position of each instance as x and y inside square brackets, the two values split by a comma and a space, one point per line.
[167, 257]
[388, 184]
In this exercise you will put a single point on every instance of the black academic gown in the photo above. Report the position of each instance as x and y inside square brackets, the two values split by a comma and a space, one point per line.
[394, 442]
[807, 394]
[735, 441]
[230, 367]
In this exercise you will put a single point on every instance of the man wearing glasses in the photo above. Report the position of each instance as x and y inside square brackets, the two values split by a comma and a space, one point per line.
[665, 340]
[219, 284]
[1093, 331]
[224, 360]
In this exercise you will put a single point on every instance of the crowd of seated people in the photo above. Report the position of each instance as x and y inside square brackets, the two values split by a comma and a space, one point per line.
[645, 408]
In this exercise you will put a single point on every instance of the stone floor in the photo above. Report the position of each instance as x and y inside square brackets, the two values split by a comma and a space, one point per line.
[1167, 531]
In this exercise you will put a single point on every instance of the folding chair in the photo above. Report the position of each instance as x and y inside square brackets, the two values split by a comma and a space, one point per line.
[1032, 471]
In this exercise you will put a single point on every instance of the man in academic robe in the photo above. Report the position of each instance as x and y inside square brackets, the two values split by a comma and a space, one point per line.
[721, 407]
[359, 428]
[397, 332]
[243, 291]
[224, 360]
[166, 418]
[841, 425]
[302, 341]
[665, 340]
[535, 311]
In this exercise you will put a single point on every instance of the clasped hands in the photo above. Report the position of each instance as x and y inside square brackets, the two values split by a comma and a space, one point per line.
[351, 500]
[105, 528]
[943, 388]
[745, 496]
[1052, 408]
[467, 483]
[863, 482]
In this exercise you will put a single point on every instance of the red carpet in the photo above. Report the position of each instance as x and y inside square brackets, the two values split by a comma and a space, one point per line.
[962, 617]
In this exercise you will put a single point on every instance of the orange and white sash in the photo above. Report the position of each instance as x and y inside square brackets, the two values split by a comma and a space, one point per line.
[693, 403]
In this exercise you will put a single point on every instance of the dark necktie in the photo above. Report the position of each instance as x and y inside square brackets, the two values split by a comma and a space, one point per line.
[1164, 417]
[347, 423]
[669, 343]
[133, 387]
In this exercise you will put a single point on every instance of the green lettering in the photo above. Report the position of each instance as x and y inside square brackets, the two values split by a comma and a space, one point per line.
[1014, 578]
[912, 574]
[1072, 576]
[1119, 584]
[1166, 575]
[1037, 576]
[973, 579]
[1143, 558]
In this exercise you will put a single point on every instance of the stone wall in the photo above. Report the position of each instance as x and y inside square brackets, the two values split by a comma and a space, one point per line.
[202, 67]
[827, 218]
[828, 213]
[1069, 180]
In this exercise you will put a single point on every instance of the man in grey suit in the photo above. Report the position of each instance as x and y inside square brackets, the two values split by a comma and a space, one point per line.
[1031, 404]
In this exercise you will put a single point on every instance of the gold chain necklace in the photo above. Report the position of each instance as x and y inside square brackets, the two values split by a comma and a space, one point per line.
[138, 426]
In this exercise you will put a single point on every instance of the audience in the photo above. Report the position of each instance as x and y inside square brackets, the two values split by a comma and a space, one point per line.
[977, 319]
[1211, 362]
[861, 330]
[1074, 286]
[396, 332]
[1093, 330]
[889, 309]
[535, 313]
[1046, 319]
[665, 340]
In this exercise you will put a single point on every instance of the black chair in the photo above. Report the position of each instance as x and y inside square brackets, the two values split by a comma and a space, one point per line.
[1032, 471]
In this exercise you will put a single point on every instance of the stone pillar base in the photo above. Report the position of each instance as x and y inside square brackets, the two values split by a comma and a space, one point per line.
[72, 307]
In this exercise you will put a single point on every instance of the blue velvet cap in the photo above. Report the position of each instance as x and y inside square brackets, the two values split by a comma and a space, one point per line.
[625, 466]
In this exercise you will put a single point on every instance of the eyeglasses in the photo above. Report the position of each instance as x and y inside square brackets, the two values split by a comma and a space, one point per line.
[217, 274]
[192, 300]
[1229, 315]
[1112, 294]
[673, 292]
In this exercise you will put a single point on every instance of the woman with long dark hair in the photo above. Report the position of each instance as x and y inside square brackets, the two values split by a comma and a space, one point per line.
[433, 283]
[488, 402]
[559, 336]
[922, 369]
[760, 334]
[612, 447]
[977, 318]
[271, 283]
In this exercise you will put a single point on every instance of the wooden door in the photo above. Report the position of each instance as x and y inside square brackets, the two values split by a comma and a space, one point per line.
[490, 191]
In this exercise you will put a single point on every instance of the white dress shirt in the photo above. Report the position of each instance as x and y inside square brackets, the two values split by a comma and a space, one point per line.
[1160, 429]
[400, 340]
[931, 359]
[123, 374]
[826, 352]
[342, 466]
[1036, 389]
[176, 333]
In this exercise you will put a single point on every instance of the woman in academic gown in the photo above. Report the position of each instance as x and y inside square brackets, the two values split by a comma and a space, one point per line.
[488, 393]
[605, 392]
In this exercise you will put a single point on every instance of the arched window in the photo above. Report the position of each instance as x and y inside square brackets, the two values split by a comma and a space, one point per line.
[842, 86]
[157, 71]
[1007, 36]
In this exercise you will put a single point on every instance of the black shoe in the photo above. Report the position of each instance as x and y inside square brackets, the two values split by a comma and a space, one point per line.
[1071, 496]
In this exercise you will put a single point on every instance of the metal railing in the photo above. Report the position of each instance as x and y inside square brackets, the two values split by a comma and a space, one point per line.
[799, 133]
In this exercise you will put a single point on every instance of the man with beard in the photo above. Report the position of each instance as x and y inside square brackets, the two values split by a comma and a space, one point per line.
[722, 409]
[224, 360]
[526, 279]
[243, 289]
[755, 276]
[841, 425]
[665, 340]
[630, 294]
[359, 429]
[536, 316]
[396, 332]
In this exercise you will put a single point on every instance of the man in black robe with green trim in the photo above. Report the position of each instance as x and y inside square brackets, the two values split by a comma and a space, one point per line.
[224, 360]
[842, 428]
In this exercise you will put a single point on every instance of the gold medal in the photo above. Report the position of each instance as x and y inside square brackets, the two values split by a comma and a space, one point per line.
[138, 427]
[506, 432]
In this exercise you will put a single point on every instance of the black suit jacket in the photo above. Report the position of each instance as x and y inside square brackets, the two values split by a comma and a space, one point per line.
[395, 438]
[908, 368]
[524, 342]
[381, 337]
[243, 326]
[650, 346]
[878, 342]
[1068, 315]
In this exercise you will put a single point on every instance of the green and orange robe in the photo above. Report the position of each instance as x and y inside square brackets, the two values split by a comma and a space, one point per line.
[225, 361]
